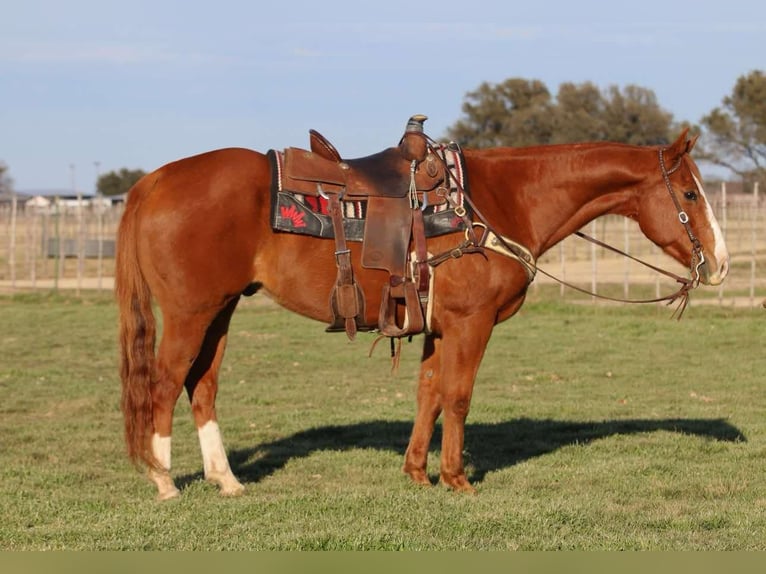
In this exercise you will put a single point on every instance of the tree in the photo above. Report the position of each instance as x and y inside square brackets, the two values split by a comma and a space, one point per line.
[735, 132]
[516, 112]
[6, 183]
[579, 114]
[634, 116]
[522, 112]
[118, 183]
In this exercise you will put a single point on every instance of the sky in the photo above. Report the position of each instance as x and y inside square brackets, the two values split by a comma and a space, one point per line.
[88, 87]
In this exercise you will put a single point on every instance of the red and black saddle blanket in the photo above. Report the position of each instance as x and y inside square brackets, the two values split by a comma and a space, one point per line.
[295, 212]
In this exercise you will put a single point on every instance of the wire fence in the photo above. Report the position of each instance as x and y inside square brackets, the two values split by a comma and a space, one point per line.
[71, 247]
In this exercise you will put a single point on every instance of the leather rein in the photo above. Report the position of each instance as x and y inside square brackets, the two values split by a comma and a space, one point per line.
[518, 252]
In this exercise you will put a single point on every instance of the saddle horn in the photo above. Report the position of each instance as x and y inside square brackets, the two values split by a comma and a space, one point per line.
[415, 123]
[413, 144]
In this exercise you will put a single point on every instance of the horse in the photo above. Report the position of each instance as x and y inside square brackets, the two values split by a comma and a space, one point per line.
[196, 236]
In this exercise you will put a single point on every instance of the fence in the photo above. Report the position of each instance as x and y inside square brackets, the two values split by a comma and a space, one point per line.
[57, 247]
[73, 249]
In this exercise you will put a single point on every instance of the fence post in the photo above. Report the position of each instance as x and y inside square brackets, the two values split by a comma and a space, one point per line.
[32, 250]
[60, 244]
[753, 247]
[12, 254]
[626, 248]
[562, 257]
[80, 242]
[100, 231]
[724, 215]
[593, 262]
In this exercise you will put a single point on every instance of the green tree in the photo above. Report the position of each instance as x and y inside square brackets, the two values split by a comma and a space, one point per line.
[522, 112]
[6, 183]
[118, 183]
[579, 113]
[735, 132]
[634, 116]
[515, 112]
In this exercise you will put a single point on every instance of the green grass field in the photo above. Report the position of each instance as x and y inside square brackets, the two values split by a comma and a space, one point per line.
[591, 427]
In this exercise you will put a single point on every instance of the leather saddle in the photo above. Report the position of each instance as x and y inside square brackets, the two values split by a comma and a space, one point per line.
[394, 183]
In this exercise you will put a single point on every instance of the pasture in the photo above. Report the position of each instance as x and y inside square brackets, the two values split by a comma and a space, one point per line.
[592, 427]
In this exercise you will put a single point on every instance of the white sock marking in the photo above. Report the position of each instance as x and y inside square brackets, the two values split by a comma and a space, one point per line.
[161, 450]
[214, 458]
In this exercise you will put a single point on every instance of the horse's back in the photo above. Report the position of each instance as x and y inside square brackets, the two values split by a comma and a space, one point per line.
[210, 173]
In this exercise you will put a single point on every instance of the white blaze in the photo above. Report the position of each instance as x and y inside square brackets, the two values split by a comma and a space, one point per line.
[720, 252]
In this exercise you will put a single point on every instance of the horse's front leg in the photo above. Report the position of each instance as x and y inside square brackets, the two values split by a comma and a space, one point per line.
[429, 408]
[447, 373]
[461, 352]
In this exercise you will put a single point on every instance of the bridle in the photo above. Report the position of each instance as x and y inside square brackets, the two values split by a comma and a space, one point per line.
[698, 257]
[473, 245]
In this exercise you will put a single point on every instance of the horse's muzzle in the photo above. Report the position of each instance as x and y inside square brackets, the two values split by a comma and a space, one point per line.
[710, 275]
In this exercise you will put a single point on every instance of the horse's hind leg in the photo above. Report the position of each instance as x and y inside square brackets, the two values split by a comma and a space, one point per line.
[181, 341]
[184, 355]
[202, 386]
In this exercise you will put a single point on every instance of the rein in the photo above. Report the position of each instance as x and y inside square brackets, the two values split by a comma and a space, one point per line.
[472, 245]
[682, 293]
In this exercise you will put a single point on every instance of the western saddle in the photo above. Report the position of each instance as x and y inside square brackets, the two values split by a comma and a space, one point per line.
[395, 183]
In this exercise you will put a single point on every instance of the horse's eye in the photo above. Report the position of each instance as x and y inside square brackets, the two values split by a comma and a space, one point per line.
[691, 195]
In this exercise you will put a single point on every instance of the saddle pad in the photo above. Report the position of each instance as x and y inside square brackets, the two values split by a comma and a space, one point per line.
[294, 212]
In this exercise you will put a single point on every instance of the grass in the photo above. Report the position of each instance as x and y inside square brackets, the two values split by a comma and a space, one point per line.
[592, 427]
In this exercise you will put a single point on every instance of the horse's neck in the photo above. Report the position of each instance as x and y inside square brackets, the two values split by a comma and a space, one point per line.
[543, 194]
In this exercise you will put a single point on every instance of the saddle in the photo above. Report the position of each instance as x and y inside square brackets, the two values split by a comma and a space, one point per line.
[394, 184]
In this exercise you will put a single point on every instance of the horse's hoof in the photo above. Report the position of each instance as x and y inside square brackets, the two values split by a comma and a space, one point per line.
[168, 494]
[418, 476]
[233, 491]
[458, 484]
[166, 488]
[226, 482]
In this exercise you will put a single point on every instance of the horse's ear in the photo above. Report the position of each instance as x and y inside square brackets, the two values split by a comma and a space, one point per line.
[678, 147]
[691, 142]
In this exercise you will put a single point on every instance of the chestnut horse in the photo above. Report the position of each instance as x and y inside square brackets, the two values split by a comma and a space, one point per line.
[196, 236]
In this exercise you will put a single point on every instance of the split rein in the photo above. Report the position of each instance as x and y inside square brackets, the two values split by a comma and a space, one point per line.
[687, 285]
[472, 245]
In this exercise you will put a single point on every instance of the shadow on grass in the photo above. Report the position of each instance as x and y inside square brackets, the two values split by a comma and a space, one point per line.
[489, 446]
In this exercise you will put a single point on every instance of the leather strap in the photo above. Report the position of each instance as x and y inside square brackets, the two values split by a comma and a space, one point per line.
[345, 294]
[421, 252]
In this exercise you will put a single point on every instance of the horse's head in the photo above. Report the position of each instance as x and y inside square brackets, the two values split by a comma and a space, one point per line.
[675, 214]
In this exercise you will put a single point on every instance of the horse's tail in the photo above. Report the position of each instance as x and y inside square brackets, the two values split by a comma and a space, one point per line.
[137, 335]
